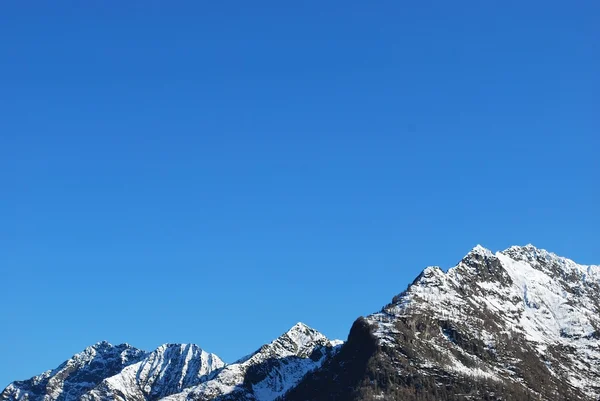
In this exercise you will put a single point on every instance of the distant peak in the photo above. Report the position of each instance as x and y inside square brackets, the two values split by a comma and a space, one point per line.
[543, 259]
[528, 248]
[299, 340]
[301, 326]
[105, 345]
[529, 252]
[430, 274]
[99, 346]
[179, 348]
[302, 330]
[480, 250]
[431, 270]
[175, 345]
[476, 256]
[301, 333]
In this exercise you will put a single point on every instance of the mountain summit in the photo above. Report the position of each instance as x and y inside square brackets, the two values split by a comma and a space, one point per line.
[104, 372]
[520, 324]
[76, 376]
[168, 370]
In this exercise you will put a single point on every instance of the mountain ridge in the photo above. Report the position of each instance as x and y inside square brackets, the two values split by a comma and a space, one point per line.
[171, 369]
[518, 324]
[522, 323]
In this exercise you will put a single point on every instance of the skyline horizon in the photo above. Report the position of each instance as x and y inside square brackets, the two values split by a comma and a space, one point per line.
[213, 173]
[257, 348]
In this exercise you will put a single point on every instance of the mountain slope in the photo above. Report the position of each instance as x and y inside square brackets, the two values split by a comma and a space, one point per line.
[516, 325]
[521, 324]
[176, 372]
[167, 370]
[269, 372]
[76, 376]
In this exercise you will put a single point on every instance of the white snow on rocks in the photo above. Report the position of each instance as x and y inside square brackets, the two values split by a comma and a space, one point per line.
[550, 300]
[272, 370]
[167, 370]
[173, 372]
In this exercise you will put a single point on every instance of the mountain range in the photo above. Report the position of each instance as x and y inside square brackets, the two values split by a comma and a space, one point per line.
[520, 324]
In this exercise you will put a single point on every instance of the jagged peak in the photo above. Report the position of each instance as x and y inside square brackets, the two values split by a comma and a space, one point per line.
[432, 270]
[526, 249]
[472, 262]
[303, 334]
[182, 346]
[298, 340]
[301, 327]
[104, 348]
[100, 345]
[531, 253]
[300, 332]
[429, 275]
[172, 350]
[105, 345]
[480, 250]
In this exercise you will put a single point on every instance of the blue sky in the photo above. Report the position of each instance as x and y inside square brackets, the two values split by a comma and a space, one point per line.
[214, 172]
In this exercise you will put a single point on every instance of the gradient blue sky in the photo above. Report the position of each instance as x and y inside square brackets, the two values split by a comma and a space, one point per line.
[214, 172]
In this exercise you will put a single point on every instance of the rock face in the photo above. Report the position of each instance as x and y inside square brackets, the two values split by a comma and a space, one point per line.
[168, 370]
[269, 372]
[105, 372]
[522, 324]
[80, 374]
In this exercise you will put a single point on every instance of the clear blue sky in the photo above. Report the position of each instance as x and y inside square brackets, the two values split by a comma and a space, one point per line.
[214, 172]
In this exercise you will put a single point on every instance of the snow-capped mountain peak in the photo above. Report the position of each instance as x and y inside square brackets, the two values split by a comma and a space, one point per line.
[76, 376]
[302, 334]
[480, 250]
[550, 302]
[167, 370]
[518, 324]
[551, 263]
[270, 371]
[104, 372]
[300, 341]
[301, 327]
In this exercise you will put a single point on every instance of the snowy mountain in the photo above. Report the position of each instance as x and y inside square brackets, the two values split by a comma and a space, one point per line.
[168, 370]
[269, 372]
[521, 324]
[75, 377]
[105, 372]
